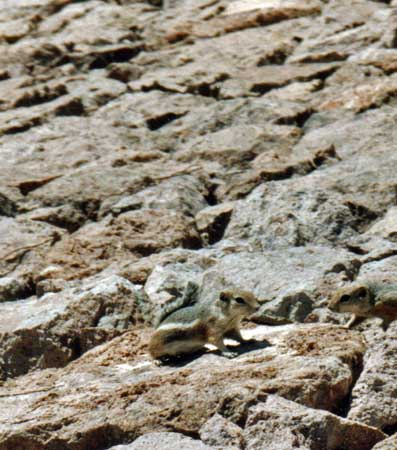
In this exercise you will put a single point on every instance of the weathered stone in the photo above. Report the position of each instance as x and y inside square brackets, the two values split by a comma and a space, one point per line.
[217, 81]
[384, 59]
[29, 117]
[381, 271]
[52, 330]
[14, 288]
[374, 395]
[163, 441]
[212, 221]
[115, 387]
[25, 240]
[130, 235]
[361, 97]
[148, 146]
[180, 193]
[241, 15]
[221, 432]
[387, 226]
[338, 44]
[166, 285]
[280, 424]
[387, 444]
[236, 146]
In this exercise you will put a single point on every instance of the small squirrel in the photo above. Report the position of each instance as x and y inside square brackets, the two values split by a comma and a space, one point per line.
[366, 300]
[189, 328]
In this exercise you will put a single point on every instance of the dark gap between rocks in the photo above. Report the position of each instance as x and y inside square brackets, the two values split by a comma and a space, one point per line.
[102, 60]
[356, 249]
[208, 89]
[31, 185]
[210, 197]
[205, 89]
[357, 367]
[48, 55]
[390, 429]
[25, 291]
[188, 433]
[363, 216]
[154, 123]
[298, 119]
[277, 57]
[101, 437]
[75, 347]
[23, 127]
[192, 243]
[387, 254]
[74, 108]
[217, 230]
[322, 76]
[13, 39]
[7, 207]
[155, 86]
[69, 226]
[327, 58]
[37, 97]
[264, 88]
[4, 75]
[89, 208]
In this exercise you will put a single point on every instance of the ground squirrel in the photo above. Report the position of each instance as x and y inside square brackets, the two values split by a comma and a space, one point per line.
[366, 300]
[189, 328]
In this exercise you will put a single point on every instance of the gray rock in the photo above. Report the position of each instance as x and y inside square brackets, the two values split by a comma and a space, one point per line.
[184, 193]
[56, 328]
[221, 432]
[164, 441]
[12, 288]
[388, 444]
[166, 286]
[212, 221]
[374, 399]
[147, 146]
[287, 280]
[280, 424]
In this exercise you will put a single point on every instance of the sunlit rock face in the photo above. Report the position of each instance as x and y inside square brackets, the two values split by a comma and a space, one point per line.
[150, 146]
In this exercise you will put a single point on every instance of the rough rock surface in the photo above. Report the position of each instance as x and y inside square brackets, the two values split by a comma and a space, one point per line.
[146, 144]
[314, 365]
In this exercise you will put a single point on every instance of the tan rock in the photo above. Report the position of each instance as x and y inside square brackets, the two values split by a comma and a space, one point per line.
[118, 387]
[388, 444]
[130, 235]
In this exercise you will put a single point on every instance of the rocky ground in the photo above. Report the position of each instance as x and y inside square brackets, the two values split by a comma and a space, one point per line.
[144, 145]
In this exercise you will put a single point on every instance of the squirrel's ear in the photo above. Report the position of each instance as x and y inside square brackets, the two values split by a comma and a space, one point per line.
[362, 292]
[223, 297]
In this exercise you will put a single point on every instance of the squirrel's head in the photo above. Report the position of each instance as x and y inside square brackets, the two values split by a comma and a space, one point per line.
[355, 299]
[238, 302]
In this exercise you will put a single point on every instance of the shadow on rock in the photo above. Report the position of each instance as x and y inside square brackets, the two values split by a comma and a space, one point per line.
[235, 350]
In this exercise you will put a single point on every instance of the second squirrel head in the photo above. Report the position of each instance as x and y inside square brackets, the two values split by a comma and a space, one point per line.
[354, 299]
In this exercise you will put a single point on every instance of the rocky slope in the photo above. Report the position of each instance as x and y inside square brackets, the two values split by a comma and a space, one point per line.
[144, 145]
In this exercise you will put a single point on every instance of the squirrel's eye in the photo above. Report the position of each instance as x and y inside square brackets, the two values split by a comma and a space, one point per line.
[344, 298]
[240, 300]
[223, 297]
